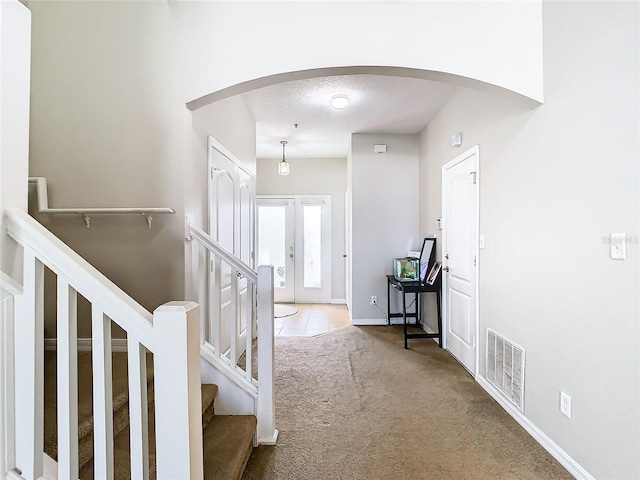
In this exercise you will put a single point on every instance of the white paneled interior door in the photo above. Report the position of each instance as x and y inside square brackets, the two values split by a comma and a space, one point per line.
[231, 223]
[460, 243]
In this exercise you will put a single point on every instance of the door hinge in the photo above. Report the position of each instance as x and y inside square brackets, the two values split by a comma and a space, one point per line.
[211, 265]
[474, 174]
[473, 342]
[474, 260]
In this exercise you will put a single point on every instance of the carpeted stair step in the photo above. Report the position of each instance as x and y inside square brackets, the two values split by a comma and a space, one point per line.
[228, 440]
[228, 443]
[85, 403]
[121, 450]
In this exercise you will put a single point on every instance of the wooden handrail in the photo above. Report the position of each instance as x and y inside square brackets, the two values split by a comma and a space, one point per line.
[43, 206]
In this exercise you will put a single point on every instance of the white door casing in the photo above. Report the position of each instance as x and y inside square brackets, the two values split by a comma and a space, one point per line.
[347, 248]
[460, 230]
[231, 223]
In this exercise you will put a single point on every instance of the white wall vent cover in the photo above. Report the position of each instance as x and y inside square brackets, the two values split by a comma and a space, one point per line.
[505, 368]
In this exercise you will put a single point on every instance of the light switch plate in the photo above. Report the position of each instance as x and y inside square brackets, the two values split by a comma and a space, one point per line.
[618, 246]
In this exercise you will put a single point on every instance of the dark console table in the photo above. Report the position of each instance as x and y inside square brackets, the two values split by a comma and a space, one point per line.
[416, 288]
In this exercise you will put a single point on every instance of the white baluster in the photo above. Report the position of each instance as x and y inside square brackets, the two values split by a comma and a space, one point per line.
[202, 274]
[254, 307]
[215, 308]
[234, 319]
[178, 402]
[249, 332]
[102, 394]
[7, 382]
[29, 365]
[267, 433]
[138, 418]
[67, 365]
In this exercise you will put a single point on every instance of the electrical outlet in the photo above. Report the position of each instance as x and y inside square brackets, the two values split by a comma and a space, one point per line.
[374, 300]
[565, 404]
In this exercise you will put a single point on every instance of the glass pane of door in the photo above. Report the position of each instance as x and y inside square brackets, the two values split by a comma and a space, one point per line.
[313, 243]
[272, 247]
[312, 246]
[275, 244]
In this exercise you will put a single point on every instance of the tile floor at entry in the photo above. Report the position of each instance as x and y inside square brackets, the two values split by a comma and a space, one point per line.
[312, 319]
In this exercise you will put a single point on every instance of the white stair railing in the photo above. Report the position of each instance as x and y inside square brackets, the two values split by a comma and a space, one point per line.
[171, 334]
[239, 310]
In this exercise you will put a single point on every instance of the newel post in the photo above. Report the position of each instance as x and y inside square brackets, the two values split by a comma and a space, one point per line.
[267, 433]
[177, 387]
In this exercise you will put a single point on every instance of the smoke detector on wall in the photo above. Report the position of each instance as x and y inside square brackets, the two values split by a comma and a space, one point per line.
[380, 148]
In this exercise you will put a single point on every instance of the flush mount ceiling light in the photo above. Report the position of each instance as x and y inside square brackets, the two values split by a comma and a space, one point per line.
[283, 166]
[339, 101]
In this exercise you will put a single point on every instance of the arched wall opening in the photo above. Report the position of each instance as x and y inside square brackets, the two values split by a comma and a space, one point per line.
[358, 230]
[431, 75]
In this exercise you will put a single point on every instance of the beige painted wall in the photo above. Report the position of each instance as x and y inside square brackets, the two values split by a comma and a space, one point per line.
[106, 132]
[264, 38]
[109, 84]
[312, 176]
[108, 129]
[384, 222]
[554, 183]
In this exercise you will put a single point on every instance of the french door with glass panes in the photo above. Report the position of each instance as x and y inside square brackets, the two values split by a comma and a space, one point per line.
[276, 244]
[294, 235]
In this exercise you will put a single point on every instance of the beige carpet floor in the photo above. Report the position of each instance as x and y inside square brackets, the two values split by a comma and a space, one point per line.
[353, 404]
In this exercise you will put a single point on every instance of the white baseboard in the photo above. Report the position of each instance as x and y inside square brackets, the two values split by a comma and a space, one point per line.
[399, 321]
[377, 321]
[538, 435]
[431, 330]
[339, 301]
[368, 321]
[84, 344]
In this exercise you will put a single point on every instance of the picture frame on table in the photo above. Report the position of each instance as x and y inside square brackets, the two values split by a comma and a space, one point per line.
[433, 273]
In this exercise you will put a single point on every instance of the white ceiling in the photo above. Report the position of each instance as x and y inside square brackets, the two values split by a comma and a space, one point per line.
[378, 104]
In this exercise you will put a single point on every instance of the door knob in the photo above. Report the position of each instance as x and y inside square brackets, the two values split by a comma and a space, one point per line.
[447, 256]
[291, 255]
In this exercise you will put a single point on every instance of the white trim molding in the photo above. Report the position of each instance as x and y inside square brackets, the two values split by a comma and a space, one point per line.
[538, 435]
[339, 301]
[368, 321]
[85, 344]
[9, 285]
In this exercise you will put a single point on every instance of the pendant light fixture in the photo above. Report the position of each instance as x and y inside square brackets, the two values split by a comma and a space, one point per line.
[283, 166]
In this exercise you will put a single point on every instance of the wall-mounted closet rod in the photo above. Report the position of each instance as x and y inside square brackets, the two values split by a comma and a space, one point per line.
[43, 206]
